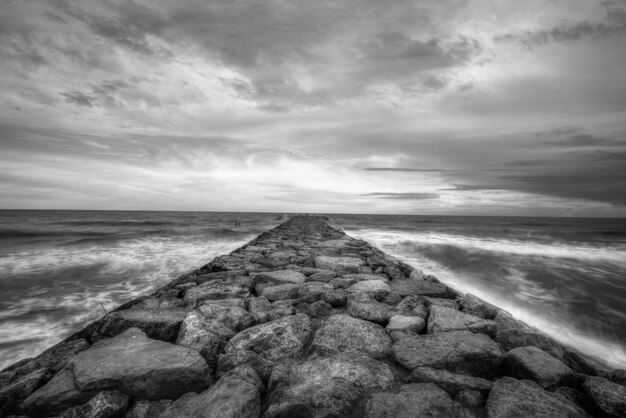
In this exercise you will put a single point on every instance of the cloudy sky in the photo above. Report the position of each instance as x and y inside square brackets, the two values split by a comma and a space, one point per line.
[420, 106]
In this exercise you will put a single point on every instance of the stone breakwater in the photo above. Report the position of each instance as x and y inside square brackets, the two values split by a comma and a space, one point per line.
[305, 321]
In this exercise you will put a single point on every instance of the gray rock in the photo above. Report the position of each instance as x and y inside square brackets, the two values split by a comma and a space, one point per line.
[400, 335]
[233, 317]
[608, 397]
[413, 400]
[143, 408]
[446, 303]
[361, 277]
[405, 323]
[216, 290]
[337, 297]
[458, 351]
[342, 265]
[103, 405]
[313, 291]
[452, 383]
[259, 308]
[233, 303]
[58, 394]
[473, 305]
[229, 361]
[324, 387]
[376, 289]
[343, 333]
[12, 395]
[280, 309]
[322, 276]
[412, 305]
[470, 398]
[524, 398]
[220, 276]
[342, 282]
[281, 277]
[280, 292]
[443, 319]
[204, 336]
[314, 310]
[160, 324]
[361, 306]
[535, 364]
[619, 376]
[273, 340]
[408, 287]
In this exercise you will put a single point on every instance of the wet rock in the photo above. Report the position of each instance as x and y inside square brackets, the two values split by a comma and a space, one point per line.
[337, 297]
[413, 400]
[412, 306]
[452, 383]
[216, 290]
[405, 323]
[159, 303]
[233, 317]
[458, 351]
[535, 364]
[619, 376]
[473, 305]
[313, 291]
[160, 324]
[577, 398]
[609, 398]
[407, 287]
[273, 340]
[280, 292]
[375, 289]
[103, 405]
[524, 398]
[443, 319]
[342, 265]
[342, 282]
[322, 276]
[470, 398]
[324, 387]
[229, 361]
[12, 395]
[361, 306]
[394, 273]
[343, 333]
[511, 333]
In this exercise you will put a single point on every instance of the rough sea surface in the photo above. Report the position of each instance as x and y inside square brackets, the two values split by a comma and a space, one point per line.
[565, 276]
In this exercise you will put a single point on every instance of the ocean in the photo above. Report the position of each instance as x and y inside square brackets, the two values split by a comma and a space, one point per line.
[59, 269]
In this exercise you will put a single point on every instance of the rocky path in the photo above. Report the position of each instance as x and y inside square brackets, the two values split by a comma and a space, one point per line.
[305, 321]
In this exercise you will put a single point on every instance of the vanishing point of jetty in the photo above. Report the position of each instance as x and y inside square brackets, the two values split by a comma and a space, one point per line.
[305, 321]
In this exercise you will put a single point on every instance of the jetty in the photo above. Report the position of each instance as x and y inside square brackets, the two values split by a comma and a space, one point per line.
[306, 321]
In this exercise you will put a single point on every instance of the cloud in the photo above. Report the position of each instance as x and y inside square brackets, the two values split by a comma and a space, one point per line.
[405, 169]
[404, 196]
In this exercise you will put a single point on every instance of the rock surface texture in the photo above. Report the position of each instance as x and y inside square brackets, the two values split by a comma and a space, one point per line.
[305, 321]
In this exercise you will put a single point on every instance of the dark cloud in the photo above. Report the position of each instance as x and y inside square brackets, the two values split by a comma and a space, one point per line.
[406, 169]
[578, 137]
[468, 187]
[404, 196]
[103, 94]
[79, 98]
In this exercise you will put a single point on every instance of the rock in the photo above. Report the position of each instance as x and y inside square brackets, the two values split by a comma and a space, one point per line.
[231, 397]
[216, 290]
[232, 303]
[343, 333]
[400, 335]
[470, 398]
[608, 397]
[58, 394]
[405, 323]
[12, 395]
[412, 400]
[473, 305]
[324, 387]
[315, 310]
[412, 306]
[394, 273]
[273, 340]
[142, 408]
[204, 336]
[259, 308]
[535, 364]
[158, 303]
[443, 319]
[229, 361]
[342, 265]
[160, 324]
[361, 277]
[322, 276]
[577, 398]
[446, 303]
[452, 383]
[280, 309]
[342, 282]
[361, 306]
[619, 376]
[103, 405]
[408, 287]
[392, 299]
[458, 351]
[281, 292]
[219, 276]
[375, 289]
[313, 291]
[233, 317]
[281, 277]
[524, 398]
[337, 297]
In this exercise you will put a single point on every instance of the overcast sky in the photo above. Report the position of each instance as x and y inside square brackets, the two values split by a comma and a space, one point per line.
[425, 107]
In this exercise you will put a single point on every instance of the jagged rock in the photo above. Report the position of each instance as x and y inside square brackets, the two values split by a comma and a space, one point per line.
[14, 393]
[458, 351]
[281, 277]
[452, 383]
[413, 400]
[233, 317]
[231, 397]
[524, 398]
[375, 289]
[608, 397]
[392, 299]
[470, 398]
[281, 292]
[58, 394]
[314, 310]
[535, 364]
[103, 405]
[143, 408]
[361, 306]
[207, 337]
[217, 290]
[446, 303]
[576, 397]
[160, 324]
[324, 387]
[229, 361]
[337, 297]
[443, 319]
[619, 376]
[158, 303]
[322, 276]
[412, 305]
[408, 287]
[280, 309]
[273, 340]
[342, 282]
[342, 265]
[405, 323]
[343, 333]
[473, 305]
[259, 308]
[313, 291]
[394, 273]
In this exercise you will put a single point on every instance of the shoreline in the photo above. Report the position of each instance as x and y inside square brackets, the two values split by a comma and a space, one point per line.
[313, 285]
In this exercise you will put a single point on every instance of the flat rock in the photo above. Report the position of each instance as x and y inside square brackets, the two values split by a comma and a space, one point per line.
[58, 394]
[524, 398]
[103, 405]
[273, 340]
[324, 387]
[280, 291]
[322, 276]
[229, 361]
[458, 351]
[609, 397]
[375, 289]
[361, 306]
[473, 305]
[342, 265]
[413, 400]
[408, 287]
[361, 277]
[281, 277]
[233, 317]
[405, 323]
[535, 364]
[443, 319]
[343, 333]
[452, 383]
[160, 324]
[313, 291]
[216, 290]
[14, 393]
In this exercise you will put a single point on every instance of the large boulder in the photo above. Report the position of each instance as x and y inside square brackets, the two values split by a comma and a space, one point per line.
[313, 291]
[324, 387]
[280, 291]
[408, 287]
[342, 265]
[103, 405]
[273, 340]
[413, 305]
[218, 290]
[452, 383]
[207, 337]
[343, 333]
[233, 317]
[473, 305]
[361, 306]
[535, 364]
[160, 324]
[442, 319]
[375, 289]
[14, 393]
[523, 398]
[413, 400]
[280, 277]
[405, 323]
[458, 351]
[229, 361]
[511, 333]
[609, 398]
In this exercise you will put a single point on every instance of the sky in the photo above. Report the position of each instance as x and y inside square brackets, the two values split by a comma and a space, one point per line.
[442, 107]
